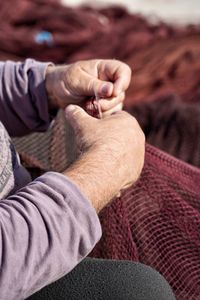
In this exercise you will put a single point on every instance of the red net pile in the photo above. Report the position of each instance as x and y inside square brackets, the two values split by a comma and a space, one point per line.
[164, 58]
[156, 221]
[172, 126]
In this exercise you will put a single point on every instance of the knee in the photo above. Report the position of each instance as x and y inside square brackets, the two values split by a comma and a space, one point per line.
[130, 281]
[144, 283]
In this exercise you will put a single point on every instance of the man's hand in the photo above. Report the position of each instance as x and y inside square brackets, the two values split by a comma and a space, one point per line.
[76, 83]
[112, 154]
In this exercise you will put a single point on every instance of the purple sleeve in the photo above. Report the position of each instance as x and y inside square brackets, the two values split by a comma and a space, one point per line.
[47, 228]
[23, 99]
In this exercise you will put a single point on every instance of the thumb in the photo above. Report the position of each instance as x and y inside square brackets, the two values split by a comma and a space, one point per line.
[92, 86]
[77, 117]
[103, 89]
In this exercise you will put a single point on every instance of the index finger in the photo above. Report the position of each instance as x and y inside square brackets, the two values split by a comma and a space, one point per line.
[122, 78]
[118, 73]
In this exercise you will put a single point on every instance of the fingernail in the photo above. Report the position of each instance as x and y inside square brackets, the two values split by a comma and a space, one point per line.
[105, 89]
[70, 108]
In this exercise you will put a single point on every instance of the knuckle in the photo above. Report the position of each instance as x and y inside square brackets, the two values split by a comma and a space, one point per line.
[143, 138]
[76, 65]
[129, 69]
[134, 125]
[91, 84]
[76, 82]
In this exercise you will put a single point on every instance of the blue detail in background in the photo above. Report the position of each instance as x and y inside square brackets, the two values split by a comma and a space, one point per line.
[44, 37]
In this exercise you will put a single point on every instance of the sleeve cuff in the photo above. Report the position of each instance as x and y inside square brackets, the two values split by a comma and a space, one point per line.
[39, 73]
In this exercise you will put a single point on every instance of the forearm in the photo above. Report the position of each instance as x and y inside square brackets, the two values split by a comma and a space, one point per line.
[24, 103]
[92, 173]
[46, 229]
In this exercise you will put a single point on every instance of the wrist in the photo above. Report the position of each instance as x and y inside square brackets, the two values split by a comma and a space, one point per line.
[93, 174]
[49, 79]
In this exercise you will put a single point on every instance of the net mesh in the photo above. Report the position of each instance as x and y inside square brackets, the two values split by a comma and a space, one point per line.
[157, 222]
[172, 126]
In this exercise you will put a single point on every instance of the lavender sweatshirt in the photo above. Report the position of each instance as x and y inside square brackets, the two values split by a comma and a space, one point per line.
[46, 226]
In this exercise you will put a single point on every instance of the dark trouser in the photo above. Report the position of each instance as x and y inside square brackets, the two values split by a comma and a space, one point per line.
[98, 279]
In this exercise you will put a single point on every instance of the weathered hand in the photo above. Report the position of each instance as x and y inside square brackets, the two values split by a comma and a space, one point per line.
[77, 82]
[112, 154]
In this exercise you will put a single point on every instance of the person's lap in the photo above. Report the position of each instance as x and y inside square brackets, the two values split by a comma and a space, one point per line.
[108, 279]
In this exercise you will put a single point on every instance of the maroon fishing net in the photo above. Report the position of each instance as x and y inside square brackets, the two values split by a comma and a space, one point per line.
[172, 126]
[157, 220]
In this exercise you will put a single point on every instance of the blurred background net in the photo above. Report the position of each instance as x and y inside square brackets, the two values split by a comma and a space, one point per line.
[156, 221]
